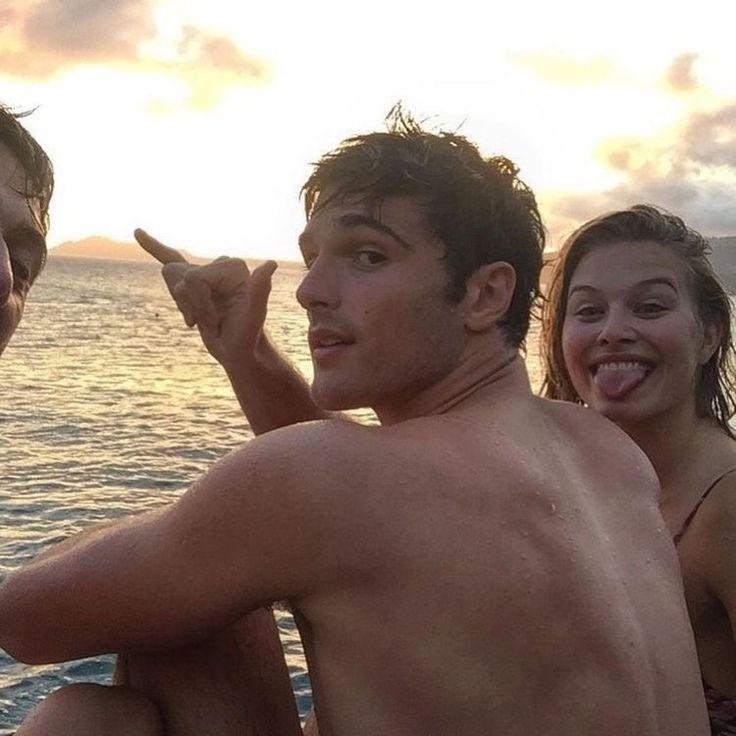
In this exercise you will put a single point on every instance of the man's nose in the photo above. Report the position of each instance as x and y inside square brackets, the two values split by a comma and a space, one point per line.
[319, 286]
[6, 273]
[616, 327]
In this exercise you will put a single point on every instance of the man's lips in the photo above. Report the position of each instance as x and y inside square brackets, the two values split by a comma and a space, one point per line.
[323, 339]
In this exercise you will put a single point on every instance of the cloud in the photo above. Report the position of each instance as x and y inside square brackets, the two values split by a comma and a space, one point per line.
[201, 47]
[691, 171]
[561, 68]
[7, 15]
[710, 138]
[95, 30]
[680, 76]
[45, 38]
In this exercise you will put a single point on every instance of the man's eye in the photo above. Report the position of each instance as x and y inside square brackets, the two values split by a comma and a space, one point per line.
[21, 272]
[27, 256]
[367, 257]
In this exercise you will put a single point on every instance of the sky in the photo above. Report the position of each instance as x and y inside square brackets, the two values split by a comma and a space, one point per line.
[198, 119]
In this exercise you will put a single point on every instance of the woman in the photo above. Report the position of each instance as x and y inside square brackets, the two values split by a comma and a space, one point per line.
[638, 327]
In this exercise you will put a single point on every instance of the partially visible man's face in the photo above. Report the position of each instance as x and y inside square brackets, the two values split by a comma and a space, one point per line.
[22, 245]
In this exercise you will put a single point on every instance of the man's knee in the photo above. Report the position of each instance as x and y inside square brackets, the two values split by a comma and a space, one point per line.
[93, 710]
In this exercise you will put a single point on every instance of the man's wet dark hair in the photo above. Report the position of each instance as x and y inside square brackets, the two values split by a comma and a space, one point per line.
[39, 173]
[715, 392]
[477, 206]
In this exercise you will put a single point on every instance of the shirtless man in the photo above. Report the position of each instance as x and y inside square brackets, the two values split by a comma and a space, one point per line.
[467, 567]
[26, 183]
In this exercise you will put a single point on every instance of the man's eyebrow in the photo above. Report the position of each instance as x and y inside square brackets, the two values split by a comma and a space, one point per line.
[353, 220]
[357, 220]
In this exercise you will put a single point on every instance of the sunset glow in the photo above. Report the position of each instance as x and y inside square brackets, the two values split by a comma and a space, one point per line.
[198, 120]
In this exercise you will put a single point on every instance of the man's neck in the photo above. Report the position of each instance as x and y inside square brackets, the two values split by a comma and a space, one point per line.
[481, 375]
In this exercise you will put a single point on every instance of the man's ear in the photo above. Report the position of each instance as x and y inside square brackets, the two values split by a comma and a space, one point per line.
[712, 334]
[488, 295]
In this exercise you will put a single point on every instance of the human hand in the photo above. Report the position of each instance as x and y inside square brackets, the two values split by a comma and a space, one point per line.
[226, 302]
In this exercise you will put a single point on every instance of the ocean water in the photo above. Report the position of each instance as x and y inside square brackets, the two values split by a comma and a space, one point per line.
[111, 406]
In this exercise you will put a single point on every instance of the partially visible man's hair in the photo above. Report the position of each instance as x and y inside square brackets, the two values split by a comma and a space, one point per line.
[477, 206]
[37, 169]
[715, 389]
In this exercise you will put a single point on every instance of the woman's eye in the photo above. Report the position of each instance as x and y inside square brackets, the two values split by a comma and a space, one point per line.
[587, 312]
[650, 308]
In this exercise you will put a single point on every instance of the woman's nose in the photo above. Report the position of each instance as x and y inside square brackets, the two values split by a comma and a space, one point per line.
[616, 327]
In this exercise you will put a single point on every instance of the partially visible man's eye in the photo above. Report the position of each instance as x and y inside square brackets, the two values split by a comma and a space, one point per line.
[368, 257]
[27, 256]
[21, 272]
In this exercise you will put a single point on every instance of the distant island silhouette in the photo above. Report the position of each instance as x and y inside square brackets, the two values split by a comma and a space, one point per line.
[98, 246]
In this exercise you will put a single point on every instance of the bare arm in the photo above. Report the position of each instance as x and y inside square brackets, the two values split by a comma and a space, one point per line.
[228, 304]
[245, 535]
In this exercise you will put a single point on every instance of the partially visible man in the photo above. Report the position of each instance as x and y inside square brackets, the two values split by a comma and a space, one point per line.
[484, 562]
[26, 184]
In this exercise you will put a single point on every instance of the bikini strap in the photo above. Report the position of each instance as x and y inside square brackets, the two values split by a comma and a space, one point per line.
[686, 524]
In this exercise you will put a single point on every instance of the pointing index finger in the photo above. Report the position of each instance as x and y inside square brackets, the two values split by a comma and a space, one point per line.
[162, 253]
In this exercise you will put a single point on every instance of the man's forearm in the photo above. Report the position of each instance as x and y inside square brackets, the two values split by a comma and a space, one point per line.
[49, 606]
[271, 392]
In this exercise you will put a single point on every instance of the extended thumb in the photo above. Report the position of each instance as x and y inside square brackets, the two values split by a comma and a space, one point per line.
[260, 286]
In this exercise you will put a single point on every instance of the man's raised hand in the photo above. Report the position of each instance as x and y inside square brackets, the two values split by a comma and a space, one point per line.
[223, 299]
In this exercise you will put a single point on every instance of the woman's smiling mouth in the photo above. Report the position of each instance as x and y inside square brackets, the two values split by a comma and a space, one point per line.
[615, 379]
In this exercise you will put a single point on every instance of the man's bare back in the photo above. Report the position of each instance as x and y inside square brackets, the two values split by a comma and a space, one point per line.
[492, 579]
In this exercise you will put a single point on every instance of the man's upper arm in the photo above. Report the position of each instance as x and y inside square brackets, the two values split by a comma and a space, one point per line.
[247, 533]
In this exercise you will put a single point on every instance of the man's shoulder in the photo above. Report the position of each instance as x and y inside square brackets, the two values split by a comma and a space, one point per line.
[579, 419]
[325, 448]
[334, 434]
[587, 433]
